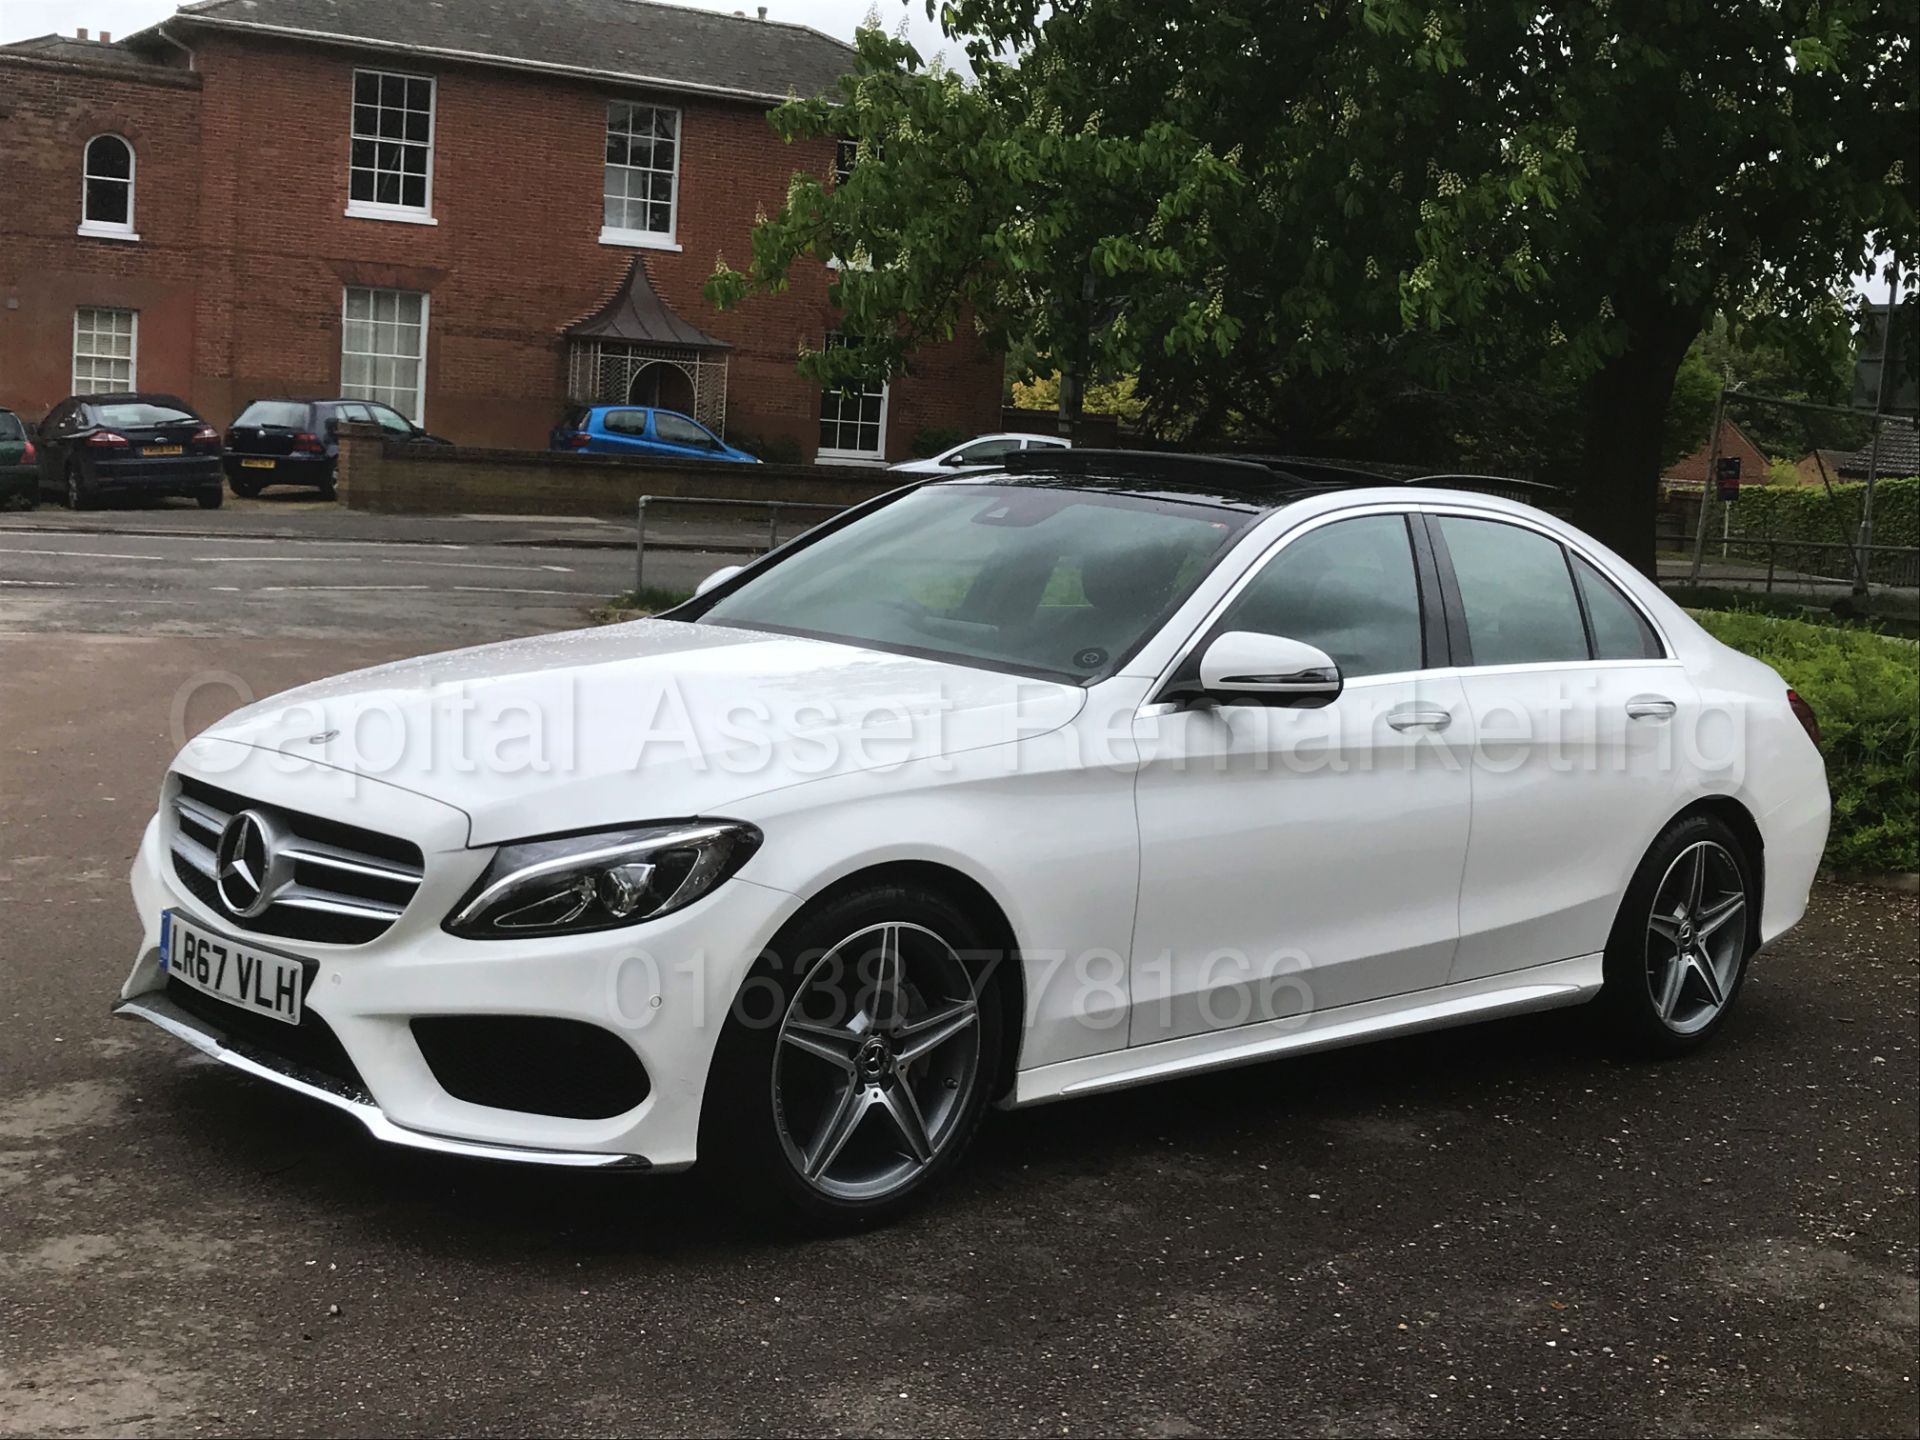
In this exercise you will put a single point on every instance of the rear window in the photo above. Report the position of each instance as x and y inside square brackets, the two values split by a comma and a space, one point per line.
[142, 412]
[286, 414]
[10, 428]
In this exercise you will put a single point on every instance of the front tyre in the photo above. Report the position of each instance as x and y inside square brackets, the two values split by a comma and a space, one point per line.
[1680, 945]
[858, 1061]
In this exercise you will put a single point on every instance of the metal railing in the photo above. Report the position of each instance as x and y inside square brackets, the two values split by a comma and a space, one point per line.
[774, 508]
[1809, 564]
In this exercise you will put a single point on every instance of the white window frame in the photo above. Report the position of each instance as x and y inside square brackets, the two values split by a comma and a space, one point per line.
[855, 457]
[107, 229]
[375, 210]
[419, 417]
[644, 239]
[91, 386]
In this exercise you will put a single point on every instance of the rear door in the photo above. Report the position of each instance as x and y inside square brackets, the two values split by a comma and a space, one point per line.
[1581, 719]
[622, 432]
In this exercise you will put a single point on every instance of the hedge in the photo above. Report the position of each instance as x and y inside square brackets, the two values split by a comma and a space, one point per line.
[1807, 512]
[1866, 690]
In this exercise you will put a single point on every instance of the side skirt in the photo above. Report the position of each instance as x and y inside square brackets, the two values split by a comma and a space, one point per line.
[1539, 987]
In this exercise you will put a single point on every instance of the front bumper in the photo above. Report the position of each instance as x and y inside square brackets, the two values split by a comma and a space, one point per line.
[664, 988]
[264, 1065]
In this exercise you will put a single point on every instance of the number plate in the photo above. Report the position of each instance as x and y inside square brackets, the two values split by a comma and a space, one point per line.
[256, 464]
[255, 980]
[164, 450]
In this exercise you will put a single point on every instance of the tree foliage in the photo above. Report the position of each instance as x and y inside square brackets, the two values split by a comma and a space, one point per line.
[1246, 204]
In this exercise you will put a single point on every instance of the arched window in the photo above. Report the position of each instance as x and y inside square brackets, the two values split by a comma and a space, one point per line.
[107, 208]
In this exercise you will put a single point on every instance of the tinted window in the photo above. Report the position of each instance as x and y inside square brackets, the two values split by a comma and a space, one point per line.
[10, 428]
[142, 412]
[1059, 582]
[1620, 631]
[1348, 588]
[285, 414]
[1516, 591]
[626, 422]
[677, 430]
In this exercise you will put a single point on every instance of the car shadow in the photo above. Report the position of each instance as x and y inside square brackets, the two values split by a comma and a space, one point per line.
[312, 1158]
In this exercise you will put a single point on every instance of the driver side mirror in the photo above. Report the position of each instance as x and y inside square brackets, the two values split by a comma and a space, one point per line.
[1243, 667]
[718, 577]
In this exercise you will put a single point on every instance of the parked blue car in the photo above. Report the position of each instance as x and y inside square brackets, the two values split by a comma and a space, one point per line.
[642, 430]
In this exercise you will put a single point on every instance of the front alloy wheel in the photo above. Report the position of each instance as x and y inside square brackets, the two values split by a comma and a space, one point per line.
[858, 1058]
[877, 1058]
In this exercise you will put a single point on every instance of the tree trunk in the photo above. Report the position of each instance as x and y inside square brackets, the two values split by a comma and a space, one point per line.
[1617, 487]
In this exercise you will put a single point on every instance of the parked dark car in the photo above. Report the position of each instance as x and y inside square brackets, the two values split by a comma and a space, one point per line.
[297, 442]
[97, 447]
[641, 430]
[19, 465]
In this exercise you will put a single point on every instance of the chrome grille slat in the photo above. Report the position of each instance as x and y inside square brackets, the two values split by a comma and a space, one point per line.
[327, 902]
[312, 852]
[194, 853]
[332, 882]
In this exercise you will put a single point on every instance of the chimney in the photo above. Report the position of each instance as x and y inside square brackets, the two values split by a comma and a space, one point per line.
[763, 12]
[81, 32]
[106, 37]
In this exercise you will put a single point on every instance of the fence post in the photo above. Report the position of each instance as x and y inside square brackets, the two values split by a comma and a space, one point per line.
[1707, 484]
[640, 545]
[773, 524]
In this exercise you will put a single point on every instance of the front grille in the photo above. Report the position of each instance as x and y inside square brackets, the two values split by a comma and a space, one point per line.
[311, 1044]
[347, 885]
[535, 1064]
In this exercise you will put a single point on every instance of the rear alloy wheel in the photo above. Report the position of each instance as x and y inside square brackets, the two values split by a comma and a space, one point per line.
[1680, 946]
[858, 1064]
[79, 493]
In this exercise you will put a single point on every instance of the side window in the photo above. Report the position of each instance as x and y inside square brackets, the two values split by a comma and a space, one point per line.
[625, 422]
[983, 452]
[675, 430]
[390, 420]
[1348, 588]
[1620, 631]
[1516, 591]
[357, 413]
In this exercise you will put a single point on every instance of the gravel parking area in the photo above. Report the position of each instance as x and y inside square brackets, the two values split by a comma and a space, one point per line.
[1502, 1230]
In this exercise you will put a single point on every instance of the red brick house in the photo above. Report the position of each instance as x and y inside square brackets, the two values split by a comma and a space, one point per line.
[475, 210]
[1733, 444]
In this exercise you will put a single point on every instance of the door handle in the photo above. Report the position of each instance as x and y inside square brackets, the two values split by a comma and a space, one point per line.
[1417, 717]
[1651, 707]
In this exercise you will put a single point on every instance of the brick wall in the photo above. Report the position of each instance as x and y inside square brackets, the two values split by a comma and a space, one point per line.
[243, 167]
[48, 113]
[462, 480]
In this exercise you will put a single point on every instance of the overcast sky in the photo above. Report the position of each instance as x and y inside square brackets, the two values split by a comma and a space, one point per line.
[21, 18]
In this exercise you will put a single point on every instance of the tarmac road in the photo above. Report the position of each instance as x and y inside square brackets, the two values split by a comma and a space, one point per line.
[1494, 1231]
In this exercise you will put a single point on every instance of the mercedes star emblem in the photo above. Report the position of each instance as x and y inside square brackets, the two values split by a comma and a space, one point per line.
[249, 870]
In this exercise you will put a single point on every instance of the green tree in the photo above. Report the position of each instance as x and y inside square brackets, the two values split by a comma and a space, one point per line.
[1248, 205]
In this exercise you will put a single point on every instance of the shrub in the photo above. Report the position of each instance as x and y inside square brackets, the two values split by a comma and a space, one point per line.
[1807, 512]
[1866, 690]
[931, 440]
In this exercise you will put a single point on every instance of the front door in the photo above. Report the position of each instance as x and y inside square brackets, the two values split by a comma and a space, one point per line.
[1298, 860]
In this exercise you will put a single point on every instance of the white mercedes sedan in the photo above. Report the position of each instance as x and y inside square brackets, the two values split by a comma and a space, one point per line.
[994, 791]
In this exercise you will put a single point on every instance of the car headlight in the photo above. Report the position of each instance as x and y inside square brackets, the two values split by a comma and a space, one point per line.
[577, 884]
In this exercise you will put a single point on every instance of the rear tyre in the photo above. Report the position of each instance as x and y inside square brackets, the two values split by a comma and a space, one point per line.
[1680, 945]
[328, 489]
[245, 489]
[211, 499]
[80, 495]
[857, 1061]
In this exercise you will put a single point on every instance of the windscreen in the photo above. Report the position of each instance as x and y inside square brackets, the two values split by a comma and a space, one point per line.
[284, 414]
[1057, 582]
[136, 413]
[10, 426]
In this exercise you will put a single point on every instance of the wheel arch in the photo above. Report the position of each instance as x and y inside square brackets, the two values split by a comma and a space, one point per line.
[977, 901]
[1737, 818]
